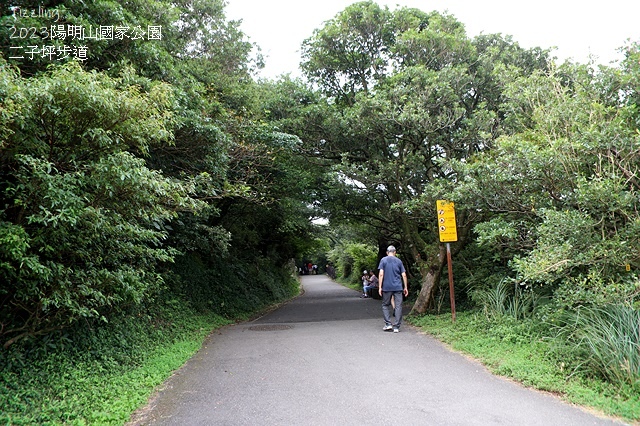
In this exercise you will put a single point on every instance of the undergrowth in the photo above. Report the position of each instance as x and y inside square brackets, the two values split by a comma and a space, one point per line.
[607, 340]
[97, 373]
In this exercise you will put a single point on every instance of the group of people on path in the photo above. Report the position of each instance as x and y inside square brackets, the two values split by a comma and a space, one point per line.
[308, 269]
[391, 284]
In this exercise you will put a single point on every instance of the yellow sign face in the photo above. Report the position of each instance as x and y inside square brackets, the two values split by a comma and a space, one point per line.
[447, 221]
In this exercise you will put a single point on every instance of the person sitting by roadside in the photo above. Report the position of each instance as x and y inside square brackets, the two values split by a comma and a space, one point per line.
[364, 279]
[372, 284]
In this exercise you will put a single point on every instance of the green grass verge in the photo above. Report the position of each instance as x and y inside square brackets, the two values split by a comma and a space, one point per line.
[514, 350]
[68, 387]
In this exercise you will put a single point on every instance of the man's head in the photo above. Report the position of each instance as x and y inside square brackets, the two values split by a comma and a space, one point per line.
[391, 250]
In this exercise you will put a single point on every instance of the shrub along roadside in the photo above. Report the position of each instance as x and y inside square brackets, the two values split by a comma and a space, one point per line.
[607, 339]
[516, 350]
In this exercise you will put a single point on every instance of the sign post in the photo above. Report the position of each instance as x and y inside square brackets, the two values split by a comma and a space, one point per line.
[448, 233]
[451, 292]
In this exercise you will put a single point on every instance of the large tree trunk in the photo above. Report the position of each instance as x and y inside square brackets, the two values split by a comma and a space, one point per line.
[430, 273]
[383, 243]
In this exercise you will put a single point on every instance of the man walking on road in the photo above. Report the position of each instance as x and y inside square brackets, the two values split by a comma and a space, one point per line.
[392, 283]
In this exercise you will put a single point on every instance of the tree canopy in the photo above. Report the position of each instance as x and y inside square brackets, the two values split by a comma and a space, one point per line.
[419, 95]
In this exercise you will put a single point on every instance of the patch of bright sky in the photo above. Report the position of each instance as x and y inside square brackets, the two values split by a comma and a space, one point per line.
[576, 28]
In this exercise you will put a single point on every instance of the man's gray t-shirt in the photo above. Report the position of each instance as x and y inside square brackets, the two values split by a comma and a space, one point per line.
[393, 269]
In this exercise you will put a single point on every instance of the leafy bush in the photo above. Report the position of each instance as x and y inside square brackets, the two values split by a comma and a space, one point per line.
[595, 289]
[352, 258]
[558, 192]
[229, 285]
[85, 218]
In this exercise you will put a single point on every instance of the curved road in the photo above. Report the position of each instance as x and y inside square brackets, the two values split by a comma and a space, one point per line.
[323, 359]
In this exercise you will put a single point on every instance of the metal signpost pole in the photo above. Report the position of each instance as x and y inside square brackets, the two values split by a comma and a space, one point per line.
[451, 292]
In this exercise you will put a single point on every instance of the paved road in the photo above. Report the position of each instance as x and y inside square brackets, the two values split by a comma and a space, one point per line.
[323, 359]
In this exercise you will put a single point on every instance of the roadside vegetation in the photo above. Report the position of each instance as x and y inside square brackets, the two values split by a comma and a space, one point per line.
[144, 201]
[157, 189]
[529, 352]
[98, 374]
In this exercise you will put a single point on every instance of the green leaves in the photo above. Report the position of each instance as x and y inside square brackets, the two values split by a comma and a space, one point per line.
[607, 338]
[395, 128]
[85, 219]
[351, 52]
[566, 181]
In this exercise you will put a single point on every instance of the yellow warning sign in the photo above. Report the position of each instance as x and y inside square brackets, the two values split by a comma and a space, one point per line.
[447, 221]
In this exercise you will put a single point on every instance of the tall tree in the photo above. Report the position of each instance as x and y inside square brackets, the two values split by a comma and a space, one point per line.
[436, 97]
[350, 53]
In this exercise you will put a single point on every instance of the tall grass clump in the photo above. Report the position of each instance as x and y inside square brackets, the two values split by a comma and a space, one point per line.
[607, 340]
[505, 299]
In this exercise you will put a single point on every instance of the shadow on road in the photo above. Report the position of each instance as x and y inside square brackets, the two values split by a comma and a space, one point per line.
[323, 300]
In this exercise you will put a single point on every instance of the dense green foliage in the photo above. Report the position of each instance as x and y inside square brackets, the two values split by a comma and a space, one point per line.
[83, 216]
[157, 175]
[396, 115]
[352, 259]
[559, 196]
[112, 167]
[144, 200]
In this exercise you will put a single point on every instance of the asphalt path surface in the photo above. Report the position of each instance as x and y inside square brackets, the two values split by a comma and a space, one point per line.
[323, 359]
